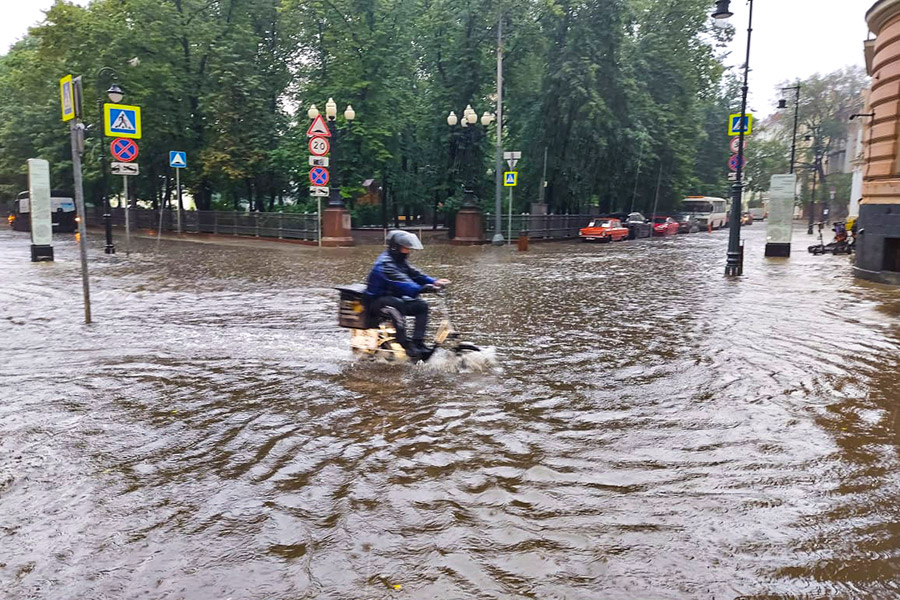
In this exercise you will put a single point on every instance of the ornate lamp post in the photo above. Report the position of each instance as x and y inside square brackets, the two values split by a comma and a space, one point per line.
[470, 137]
[334, 199]
[336, 219]
[115, 95]
[733, 266]
[469, 223]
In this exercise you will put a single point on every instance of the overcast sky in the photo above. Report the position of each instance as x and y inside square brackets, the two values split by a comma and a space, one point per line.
[791, 38]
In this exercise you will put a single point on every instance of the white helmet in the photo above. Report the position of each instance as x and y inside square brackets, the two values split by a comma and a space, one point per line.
[403, 239]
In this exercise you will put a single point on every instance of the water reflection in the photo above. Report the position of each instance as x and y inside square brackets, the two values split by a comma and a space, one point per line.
[651, 430]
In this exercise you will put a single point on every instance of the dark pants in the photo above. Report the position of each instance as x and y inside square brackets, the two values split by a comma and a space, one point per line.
[396, 310]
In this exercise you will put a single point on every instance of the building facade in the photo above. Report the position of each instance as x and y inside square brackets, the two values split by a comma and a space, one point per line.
[878, 243]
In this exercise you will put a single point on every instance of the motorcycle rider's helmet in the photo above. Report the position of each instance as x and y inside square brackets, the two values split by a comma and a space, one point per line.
[398, 239]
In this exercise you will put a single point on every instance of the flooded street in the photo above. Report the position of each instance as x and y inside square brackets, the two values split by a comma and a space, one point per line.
[650, 429]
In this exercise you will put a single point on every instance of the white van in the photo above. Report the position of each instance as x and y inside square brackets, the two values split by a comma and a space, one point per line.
[707, 210]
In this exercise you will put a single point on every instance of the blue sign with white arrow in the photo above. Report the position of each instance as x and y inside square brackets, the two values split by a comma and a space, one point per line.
[178, 160]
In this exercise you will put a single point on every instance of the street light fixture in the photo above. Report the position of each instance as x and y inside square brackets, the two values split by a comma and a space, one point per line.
[313, 112]
[469, 117]
[115, 93]
[733, 266]
[722, 11]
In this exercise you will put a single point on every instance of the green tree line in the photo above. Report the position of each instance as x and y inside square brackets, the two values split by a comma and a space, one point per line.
[628, 98]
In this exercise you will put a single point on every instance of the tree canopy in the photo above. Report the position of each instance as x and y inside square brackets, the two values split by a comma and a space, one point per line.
[617, 92]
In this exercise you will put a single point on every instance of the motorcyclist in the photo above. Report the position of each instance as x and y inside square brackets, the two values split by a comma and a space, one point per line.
[393, 289]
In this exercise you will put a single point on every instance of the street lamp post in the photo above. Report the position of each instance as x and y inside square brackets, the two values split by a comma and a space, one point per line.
[335, 221]
[733, 266]
[334, 197]
[815, 169]
[467, 124]
[783, 104]
[115, 95]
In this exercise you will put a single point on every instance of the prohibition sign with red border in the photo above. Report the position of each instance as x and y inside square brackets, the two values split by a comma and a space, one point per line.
[319, 146]
[319, 176]
[123, 149]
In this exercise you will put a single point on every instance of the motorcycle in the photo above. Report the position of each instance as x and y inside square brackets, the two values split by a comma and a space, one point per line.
[375, 338]
[842, 244]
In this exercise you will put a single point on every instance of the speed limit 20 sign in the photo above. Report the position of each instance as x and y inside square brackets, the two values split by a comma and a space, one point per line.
[319, 146]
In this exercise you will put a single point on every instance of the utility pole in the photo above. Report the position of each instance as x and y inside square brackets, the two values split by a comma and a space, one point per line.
[498, 175]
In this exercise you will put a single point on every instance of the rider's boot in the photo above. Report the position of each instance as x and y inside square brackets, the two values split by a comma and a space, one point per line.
[424, 352]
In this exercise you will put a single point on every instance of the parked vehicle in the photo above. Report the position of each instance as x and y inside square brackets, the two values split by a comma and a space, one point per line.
[604, 229]
[62, 212]
[687, 223]
[707, 210]
[664, 226]
[842, 243]
[638, 225]
[759, 213]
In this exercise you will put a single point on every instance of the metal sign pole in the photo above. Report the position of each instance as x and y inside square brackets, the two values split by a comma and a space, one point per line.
[127, 218]
[178, 187]
[319, 221]
[509, 238]
[76, 132]
[162, 206]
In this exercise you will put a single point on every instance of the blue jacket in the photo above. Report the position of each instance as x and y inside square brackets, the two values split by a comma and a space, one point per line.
[392, 278]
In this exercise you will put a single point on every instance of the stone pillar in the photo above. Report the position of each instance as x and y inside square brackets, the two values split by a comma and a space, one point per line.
[469, 226]
[336, 227]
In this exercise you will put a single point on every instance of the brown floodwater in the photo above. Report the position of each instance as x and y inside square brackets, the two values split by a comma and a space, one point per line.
[650, 430]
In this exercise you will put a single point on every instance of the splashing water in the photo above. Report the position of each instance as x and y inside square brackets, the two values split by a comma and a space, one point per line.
[468, 362]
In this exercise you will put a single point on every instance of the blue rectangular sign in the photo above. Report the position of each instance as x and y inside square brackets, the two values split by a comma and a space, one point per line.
[177, 160]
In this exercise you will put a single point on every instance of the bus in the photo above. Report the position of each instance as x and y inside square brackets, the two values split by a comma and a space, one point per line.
[62, 211]
[707, 210]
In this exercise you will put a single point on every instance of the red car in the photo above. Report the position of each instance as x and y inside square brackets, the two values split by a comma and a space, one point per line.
[665, 226]
[604, 230]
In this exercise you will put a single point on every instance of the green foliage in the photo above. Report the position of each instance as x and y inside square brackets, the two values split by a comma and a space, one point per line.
[618, 92]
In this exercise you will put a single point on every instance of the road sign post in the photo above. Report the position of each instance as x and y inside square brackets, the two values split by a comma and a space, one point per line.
[178, 161]
[512, 159]
[76, 138]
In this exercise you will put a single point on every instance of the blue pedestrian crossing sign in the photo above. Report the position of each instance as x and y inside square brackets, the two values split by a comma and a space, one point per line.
[122, 121]
[510, 178]
[736, 124]
[177, 160]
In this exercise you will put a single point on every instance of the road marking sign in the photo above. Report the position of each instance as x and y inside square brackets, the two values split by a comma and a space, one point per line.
[67, 98]
[318, 161]
[124, 150]
[319, 176]
[735, 124]
[124, 168]
[319, 191]
[510, 178]
[319, 146]
[177, 160]
[512, 159]
[318, 128]
[733, 162]
[122, 120]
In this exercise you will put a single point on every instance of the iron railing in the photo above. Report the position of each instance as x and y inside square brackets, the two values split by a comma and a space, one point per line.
[551, 227]
[294, 226]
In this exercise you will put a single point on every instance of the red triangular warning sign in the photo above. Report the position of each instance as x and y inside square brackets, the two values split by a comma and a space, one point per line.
[318, 128]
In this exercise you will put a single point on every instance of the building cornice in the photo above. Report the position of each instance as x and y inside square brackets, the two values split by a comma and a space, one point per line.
[880, 13]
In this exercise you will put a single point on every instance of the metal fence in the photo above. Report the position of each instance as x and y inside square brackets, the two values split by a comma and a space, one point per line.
[550, 227]
[292, 226]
